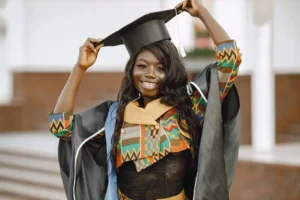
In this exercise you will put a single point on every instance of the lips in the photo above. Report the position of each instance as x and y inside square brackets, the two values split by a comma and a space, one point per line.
[148, 85]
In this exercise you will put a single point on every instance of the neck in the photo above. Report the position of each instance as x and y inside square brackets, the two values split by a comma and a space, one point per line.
[147, 100]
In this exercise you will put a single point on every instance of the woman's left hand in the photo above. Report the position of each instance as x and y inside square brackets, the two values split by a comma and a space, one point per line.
[191, 6]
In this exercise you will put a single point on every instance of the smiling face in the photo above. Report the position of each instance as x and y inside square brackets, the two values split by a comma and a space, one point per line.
[148, 74]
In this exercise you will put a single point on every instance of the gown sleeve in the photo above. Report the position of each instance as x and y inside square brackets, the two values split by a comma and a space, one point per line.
[228, 60]
[60, 125]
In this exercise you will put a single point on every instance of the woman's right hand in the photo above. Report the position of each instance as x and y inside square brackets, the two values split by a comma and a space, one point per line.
[88, 53]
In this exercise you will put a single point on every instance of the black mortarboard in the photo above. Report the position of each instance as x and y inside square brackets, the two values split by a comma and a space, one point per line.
[146, 30]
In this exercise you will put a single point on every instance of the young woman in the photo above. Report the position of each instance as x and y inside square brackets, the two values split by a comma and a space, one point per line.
[159, 145]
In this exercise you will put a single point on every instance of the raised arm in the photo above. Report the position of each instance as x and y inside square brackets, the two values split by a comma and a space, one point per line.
[60, 120]
[228, 56]
[227, 52]
[195, 9]
[87, 57]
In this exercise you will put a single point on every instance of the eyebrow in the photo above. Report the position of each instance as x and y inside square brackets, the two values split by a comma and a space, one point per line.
[141, 59]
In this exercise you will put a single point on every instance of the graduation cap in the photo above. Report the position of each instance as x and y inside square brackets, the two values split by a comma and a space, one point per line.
[146, 30]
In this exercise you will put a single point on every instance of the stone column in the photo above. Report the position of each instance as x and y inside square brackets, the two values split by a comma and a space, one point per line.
[262, 79]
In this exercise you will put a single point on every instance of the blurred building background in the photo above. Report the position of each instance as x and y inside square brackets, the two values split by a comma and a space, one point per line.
[39, 43]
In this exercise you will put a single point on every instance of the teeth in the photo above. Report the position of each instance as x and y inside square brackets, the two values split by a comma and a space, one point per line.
[149, 85]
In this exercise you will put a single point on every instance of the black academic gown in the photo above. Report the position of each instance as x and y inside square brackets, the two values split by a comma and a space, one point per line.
[217, 156]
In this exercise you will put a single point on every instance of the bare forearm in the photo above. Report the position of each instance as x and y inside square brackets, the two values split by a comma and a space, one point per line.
[66, 100]
[216, 31]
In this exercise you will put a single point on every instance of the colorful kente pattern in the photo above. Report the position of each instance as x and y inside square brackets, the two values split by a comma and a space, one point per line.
[128, 147]
[60, 125]
[147, 144]
[228, 62]
[179, 140]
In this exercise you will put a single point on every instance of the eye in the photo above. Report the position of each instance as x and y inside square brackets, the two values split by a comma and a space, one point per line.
[161, 69]
[142, 66]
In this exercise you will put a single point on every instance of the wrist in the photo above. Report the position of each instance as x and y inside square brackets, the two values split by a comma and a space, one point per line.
[202, 11]
[79, 68]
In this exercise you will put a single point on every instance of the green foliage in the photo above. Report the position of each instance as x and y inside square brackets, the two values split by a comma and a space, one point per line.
[202, 34]
[201, 53]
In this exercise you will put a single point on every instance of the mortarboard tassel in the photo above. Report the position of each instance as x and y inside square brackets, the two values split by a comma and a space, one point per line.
[181, 49]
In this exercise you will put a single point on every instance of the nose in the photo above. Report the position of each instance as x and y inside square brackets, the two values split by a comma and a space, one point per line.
[150, 72]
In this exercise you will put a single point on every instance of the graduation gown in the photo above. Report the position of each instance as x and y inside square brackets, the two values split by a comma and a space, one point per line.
[88, 172]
